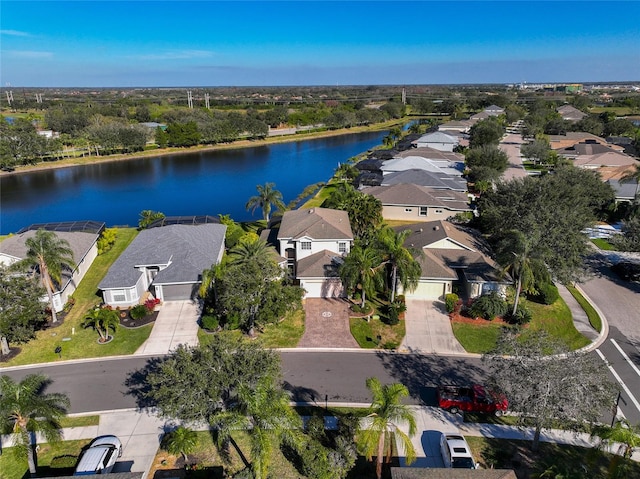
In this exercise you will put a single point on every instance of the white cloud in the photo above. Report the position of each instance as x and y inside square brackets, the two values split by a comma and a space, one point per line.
[15, 33]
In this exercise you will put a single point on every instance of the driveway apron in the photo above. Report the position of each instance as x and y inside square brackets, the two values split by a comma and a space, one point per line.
[326, 324]
[428, 329]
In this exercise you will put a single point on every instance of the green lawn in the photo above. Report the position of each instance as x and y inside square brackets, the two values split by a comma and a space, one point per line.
[603, 244]
[75, 341]
[516, 454]
[13, 466]
[556, 319]
[594, 317]
[366, 333]
[80, 421]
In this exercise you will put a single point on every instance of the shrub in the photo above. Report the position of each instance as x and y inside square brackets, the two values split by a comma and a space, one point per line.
[210, 323]
[139, 311]
[64, 462]
[547, 293]
[107, 240]
[151, 304]
[451, 301]
[394, 310]
[232, 322]
[488, 306]
[356, 308]
[522, 316]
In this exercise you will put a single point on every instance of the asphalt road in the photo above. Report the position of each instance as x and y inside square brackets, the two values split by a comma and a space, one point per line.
[620, 302]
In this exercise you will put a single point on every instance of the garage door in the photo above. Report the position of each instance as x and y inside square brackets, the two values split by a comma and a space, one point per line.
[178, 292]
[323, 289]
[426, 290]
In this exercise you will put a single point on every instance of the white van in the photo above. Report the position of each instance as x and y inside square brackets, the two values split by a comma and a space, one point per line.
[100, 456]
[456, 452]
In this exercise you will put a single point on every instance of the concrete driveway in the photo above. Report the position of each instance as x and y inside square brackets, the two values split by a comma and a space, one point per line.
[177, 323]
[326, 324]
[428, 329]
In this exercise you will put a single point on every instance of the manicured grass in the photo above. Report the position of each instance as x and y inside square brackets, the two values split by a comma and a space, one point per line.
[594, 317]
[82, 343]
[477, 338]
[603, 244]
[317, 200]
[517, 455]
[366, 333]
[285, 334]
[80, 421]
[14, 467]
[556, 319]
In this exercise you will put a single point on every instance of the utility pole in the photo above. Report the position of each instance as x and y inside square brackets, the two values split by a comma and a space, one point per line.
[190, 99]
[206, 101]
[404, 96]
[9, 97]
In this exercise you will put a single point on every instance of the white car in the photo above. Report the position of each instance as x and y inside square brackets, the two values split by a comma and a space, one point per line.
[100, 456]
[456, 452]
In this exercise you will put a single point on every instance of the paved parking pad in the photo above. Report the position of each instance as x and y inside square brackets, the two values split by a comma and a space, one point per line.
[326, 324]
[177, 323]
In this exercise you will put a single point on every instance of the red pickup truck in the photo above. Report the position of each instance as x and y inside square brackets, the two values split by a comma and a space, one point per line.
[471, 399]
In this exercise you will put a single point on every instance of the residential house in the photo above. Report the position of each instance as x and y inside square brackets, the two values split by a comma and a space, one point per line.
[411, 202]
[166, 262]
[413, 162]
[432, 179]
[82, 237]
[438, 140]
[452, 255]
[570, 138]
[313, 241]
[450, 473]
[570, 113]
[456, 126]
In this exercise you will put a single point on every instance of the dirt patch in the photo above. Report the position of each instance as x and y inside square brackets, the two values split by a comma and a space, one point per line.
[13, 352]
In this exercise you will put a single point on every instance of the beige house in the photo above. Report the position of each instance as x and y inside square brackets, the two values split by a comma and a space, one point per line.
[83, 244]
[452, 254]
[314, 241]
[411, 202]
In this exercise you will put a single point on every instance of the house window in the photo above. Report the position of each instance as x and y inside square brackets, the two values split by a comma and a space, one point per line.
[305, 245]
[118, 296]
[439, 212]
[342, 247]
[423, 211]
[408, 210]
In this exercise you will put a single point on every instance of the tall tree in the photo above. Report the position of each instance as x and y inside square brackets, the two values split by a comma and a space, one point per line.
[623, 433]
[49, 256]
[264, 412]
[21, 308]
[147, 217]
[266, 197]
[181, 440]
[516, 255]
[486, 132]
[381, 428]
[361, 270]
[547, 384]
[102, 320]
[26, 409]
[249, 251]
[405, 269]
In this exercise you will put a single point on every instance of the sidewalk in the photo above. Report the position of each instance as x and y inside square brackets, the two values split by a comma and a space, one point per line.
[177, 323]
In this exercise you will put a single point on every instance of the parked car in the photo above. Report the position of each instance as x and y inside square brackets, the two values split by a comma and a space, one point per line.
[100, 456]
[456, 452]
[471, 399]
[627, 270]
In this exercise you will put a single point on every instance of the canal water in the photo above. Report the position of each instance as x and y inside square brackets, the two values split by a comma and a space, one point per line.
[205, 183]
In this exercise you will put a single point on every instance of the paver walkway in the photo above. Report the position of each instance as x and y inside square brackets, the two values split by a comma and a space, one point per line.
[326, 324]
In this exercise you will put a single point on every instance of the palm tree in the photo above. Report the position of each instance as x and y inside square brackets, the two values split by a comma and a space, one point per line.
[102, 320]
[182, 440]
[382, 426]
[249, 251]
[626, 435]
[49, 255]
[265, 413]
[404, 267]
[27, 410]
[361, 269]
[516, 254]
[631, 176]
[266, 197]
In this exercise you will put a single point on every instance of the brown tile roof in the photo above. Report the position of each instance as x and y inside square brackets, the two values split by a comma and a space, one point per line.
[410, 194]
[315, 223]
[323, 264]
[615, 172]
[611, 158]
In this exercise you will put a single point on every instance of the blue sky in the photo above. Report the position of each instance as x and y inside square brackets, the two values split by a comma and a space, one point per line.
[244, 43]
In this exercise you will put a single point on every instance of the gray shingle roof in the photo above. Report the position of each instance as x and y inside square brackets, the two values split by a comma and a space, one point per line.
[444, 473]
[188, 248]
[433, 179]
[407, 194]
[315, 223]
[438, 137]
